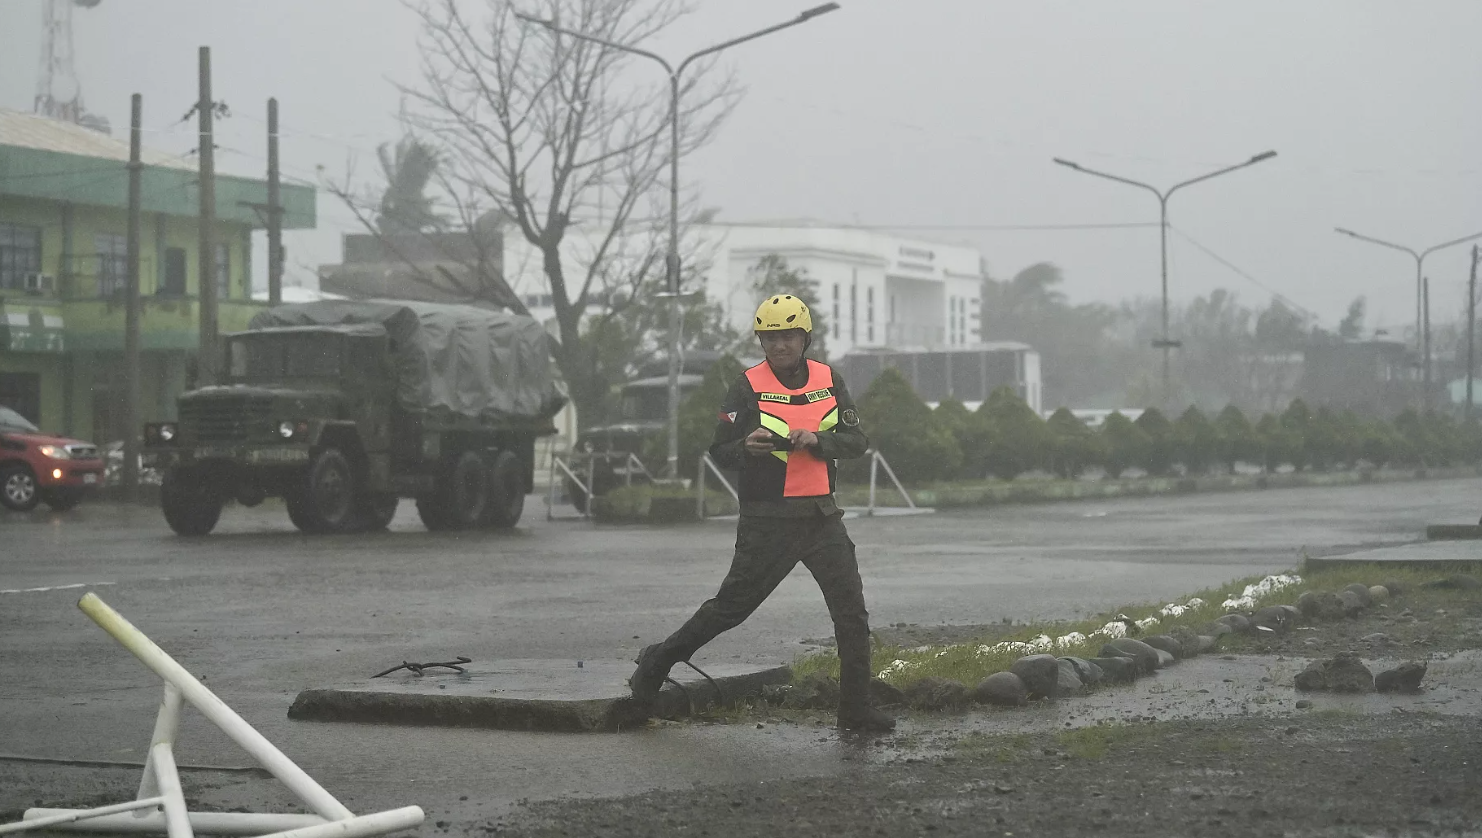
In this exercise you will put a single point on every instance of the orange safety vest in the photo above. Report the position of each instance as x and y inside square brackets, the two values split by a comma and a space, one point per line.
[812, 408]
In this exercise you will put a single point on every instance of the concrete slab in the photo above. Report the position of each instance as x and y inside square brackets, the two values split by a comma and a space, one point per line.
[538, 695]
[1454, 532]
[1449, 554]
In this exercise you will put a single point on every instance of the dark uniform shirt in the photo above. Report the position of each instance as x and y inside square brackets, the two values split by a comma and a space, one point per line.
[740, 416]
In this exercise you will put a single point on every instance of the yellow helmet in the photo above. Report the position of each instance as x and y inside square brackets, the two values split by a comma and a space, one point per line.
[783, 312]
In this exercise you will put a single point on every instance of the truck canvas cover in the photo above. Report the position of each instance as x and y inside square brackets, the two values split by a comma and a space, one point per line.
[492, 366]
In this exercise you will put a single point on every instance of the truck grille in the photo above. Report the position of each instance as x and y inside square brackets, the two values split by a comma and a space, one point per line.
[229, 419]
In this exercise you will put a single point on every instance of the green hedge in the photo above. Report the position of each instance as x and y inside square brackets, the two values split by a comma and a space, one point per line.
[1005, 438]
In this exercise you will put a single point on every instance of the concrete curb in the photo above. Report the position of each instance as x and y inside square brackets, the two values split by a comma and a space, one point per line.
[501, 713]
[995, 494]
[1454, 532]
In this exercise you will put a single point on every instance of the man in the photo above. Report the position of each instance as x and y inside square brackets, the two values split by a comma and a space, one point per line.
[783, 424]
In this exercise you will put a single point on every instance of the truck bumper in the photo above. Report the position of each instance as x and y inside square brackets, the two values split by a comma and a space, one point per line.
[276, 455]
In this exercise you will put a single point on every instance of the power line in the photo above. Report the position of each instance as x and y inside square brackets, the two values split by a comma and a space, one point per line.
[1243, 274]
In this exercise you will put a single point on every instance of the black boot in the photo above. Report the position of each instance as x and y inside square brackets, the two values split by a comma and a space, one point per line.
[648, 678]
[863, 717]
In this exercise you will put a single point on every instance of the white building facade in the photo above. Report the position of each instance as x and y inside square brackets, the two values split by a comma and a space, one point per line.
[876, 290]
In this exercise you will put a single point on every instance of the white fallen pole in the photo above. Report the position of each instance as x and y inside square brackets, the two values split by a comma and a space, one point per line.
[359, 827]
[177, 823]
[153, 823]
[166, 724]
[213, 708]
[61, 818]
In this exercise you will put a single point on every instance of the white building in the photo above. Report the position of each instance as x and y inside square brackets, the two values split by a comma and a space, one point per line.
[877, 290]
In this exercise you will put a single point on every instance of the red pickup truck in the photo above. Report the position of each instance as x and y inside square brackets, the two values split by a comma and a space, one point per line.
[36, 467]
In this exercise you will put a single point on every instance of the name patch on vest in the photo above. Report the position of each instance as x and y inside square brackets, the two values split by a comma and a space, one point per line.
[774, 397]
[818, 395]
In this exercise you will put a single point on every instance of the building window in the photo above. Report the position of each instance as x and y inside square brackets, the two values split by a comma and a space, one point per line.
[20, 254]
[113, 264]
[870, 314]
[223, 272]
[854, 309]
[174, 280]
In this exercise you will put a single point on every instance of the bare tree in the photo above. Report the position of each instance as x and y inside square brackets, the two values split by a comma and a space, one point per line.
[547, 136]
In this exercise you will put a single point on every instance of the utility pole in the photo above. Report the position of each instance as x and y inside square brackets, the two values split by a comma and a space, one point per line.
[131, 311]
[1425, 292]
[1471, 330]
[206, 366]
[275, 212]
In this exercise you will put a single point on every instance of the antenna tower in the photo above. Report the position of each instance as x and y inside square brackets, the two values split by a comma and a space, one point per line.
[58, 92]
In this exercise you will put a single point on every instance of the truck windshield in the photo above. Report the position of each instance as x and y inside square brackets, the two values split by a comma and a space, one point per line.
[645, 404]
[276, 357]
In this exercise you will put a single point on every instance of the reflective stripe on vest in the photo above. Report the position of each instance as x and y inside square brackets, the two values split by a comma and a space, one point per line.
[783, 410]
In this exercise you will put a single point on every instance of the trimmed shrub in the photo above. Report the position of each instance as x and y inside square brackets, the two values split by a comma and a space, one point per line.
[1281, 445]
[902, 427]
[1124, 444]
[974, 436]
[1238, 441]
[1020, 441]
[1196, 441]
[1159, 454]
[1074, 446]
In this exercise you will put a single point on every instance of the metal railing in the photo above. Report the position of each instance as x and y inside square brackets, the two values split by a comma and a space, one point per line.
[707, 464]
[570, 466]
[877, 461]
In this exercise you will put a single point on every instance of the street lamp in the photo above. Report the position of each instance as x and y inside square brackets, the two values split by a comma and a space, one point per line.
[671, 259]
[1422, 302]
[1165, 343]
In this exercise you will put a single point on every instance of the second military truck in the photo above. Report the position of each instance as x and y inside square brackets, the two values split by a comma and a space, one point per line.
[342, 408]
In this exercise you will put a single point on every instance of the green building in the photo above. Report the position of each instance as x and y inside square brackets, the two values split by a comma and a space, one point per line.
[63, 271]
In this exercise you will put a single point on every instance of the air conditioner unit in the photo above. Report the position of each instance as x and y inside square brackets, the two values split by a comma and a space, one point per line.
[39, 283]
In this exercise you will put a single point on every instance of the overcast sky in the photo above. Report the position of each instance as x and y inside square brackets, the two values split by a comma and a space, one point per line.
[942, 113]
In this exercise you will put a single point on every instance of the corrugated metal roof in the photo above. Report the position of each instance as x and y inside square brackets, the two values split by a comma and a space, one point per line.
[26, 130]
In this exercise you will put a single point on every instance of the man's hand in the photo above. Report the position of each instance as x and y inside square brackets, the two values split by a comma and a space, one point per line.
[803, 439]
[759, 442]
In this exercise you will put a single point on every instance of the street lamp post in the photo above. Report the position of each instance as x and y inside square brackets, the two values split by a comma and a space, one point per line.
[1422, 306]
[1165, 343]
[671, 259]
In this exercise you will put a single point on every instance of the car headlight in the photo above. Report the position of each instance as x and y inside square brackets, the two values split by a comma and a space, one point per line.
[291, 430]
[56, 452]
[167, 432]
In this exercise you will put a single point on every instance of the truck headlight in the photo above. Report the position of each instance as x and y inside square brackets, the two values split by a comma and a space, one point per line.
[167, 432]
[56, 452]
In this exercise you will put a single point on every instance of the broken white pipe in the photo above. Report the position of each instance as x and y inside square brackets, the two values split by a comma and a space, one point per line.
[213, 708]
[62, 818]
[153, 823]
[166, 724]
[362, 826]
[177, 824]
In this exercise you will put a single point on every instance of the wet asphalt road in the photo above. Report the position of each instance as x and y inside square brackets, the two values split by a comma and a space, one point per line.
[261, 612]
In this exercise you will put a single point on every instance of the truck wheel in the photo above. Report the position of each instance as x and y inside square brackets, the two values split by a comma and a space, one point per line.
[506, 493]
[18, 491]
[374, 512]
[298, 512]
[329, 498]
[461, 496]
[190, 507]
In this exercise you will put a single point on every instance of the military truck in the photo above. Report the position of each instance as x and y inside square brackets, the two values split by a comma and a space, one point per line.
[342, 408]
